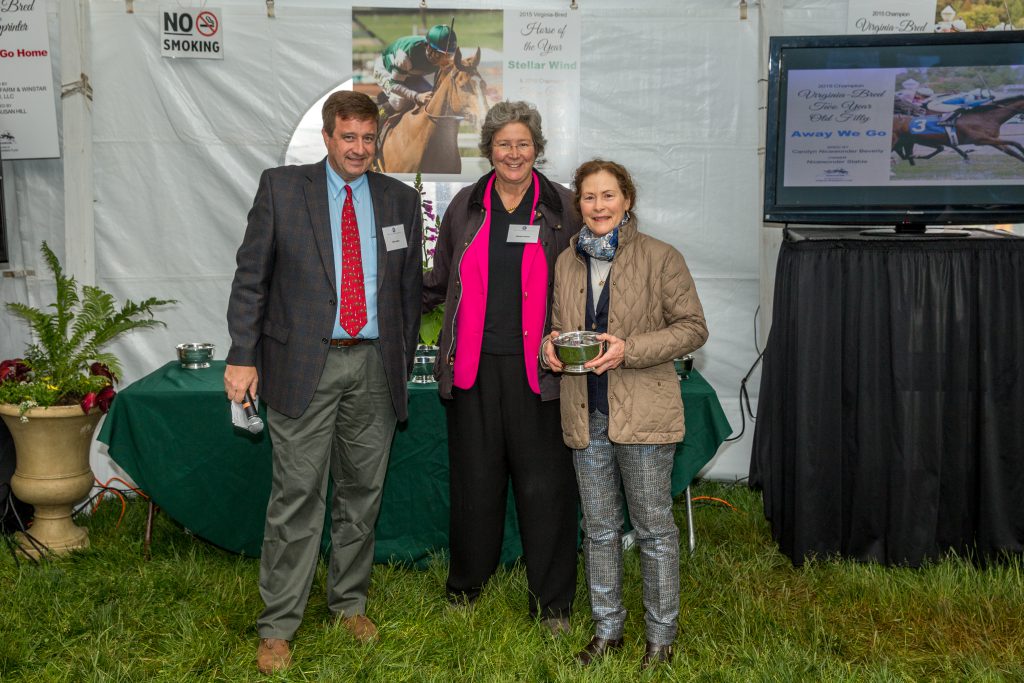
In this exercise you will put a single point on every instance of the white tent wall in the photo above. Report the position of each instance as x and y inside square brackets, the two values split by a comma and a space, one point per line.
[669, 88]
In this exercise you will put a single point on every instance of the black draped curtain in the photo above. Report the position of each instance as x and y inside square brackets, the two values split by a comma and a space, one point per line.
[891, 413]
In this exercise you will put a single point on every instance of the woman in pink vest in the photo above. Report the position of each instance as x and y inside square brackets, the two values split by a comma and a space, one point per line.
[494, 270]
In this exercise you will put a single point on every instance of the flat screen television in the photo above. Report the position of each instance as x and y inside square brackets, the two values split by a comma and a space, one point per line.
[859, 130]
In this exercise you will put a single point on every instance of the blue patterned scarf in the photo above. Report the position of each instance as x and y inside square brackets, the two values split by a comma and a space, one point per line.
[603, 247]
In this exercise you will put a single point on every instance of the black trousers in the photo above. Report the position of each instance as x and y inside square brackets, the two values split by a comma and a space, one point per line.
[496, 430]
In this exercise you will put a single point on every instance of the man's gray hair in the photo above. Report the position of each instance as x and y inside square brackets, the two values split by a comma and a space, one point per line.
[504, 113]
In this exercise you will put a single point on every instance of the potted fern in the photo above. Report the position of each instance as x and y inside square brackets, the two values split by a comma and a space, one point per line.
[52, 399]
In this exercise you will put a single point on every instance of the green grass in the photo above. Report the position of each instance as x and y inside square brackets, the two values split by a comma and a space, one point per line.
[189, 614]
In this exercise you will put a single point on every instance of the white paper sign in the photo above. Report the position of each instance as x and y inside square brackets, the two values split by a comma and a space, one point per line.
[890, 16]
[542, 66]
[28, 116]
[191, 33]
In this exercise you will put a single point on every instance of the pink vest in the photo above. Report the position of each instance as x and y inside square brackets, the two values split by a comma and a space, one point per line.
[469, 319]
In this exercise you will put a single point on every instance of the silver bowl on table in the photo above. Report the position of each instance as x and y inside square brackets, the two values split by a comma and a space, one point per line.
[195, 355]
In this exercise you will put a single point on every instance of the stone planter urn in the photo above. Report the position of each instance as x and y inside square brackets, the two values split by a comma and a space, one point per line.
[52, 473]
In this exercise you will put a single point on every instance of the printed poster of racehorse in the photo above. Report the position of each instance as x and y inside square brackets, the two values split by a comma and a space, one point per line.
[434, 74]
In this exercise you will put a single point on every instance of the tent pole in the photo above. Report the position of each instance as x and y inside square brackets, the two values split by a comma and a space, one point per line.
[76, 100]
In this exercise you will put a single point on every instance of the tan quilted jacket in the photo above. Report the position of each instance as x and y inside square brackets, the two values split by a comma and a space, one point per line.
[653, 306]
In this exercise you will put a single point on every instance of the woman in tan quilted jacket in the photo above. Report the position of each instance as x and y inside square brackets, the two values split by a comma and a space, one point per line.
[624, 418]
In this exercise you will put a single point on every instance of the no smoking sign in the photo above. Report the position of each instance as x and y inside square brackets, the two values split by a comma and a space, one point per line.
[191, 34]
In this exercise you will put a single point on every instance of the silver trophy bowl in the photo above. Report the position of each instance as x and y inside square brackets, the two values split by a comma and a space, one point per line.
[576, 348]
[195, 355]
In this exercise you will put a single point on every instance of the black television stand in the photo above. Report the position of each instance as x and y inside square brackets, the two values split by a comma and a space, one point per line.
[913, 230]
[853, 232]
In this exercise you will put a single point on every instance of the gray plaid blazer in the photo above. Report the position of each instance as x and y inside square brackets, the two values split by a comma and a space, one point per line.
[284, 295]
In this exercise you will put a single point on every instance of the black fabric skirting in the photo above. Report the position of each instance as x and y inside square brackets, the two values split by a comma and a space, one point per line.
[890, 423]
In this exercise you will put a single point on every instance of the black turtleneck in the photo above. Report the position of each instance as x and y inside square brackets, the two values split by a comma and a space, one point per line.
[503, 321]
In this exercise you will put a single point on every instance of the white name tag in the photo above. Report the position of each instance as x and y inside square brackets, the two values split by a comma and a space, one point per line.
[523, 234]
[394, 237]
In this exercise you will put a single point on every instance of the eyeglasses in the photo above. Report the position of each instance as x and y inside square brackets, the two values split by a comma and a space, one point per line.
[521, 147]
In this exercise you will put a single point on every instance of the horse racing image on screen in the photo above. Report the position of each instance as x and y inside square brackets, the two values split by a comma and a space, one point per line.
[838, 125]
[946, 116]
[925, 128]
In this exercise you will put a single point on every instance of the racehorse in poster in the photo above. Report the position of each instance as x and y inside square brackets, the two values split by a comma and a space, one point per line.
[978, 126]
[426, 139]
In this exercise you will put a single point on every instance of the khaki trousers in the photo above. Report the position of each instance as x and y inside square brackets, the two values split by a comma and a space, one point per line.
[343, 437]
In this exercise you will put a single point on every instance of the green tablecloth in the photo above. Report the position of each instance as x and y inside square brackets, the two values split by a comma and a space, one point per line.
[171, 431]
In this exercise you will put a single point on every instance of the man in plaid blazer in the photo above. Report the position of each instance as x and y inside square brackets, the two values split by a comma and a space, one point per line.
[333, 395]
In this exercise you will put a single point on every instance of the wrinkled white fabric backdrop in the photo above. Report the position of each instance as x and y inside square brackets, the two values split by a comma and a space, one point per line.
[669, 88]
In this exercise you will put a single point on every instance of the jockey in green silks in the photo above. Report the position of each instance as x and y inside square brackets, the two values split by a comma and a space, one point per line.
[401, 69]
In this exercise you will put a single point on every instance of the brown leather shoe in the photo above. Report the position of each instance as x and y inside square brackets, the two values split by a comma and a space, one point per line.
[360, 626]
[656, 654]
[273, 655]
[597, 647]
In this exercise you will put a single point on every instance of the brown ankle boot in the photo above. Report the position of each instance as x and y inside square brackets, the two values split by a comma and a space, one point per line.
[597, 647]
[656, 654]
[273, 655]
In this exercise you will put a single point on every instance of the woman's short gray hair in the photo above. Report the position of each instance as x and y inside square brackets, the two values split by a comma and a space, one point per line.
[504, 113]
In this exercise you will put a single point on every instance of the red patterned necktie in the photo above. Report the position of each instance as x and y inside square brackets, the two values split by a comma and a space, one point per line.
[353, 293]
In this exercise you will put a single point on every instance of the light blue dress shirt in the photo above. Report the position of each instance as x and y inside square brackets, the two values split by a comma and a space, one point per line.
[367, 245]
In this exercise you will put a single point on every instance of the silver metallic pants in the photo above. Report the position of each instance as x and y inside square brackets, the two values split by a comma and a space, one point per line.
[603, 471]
